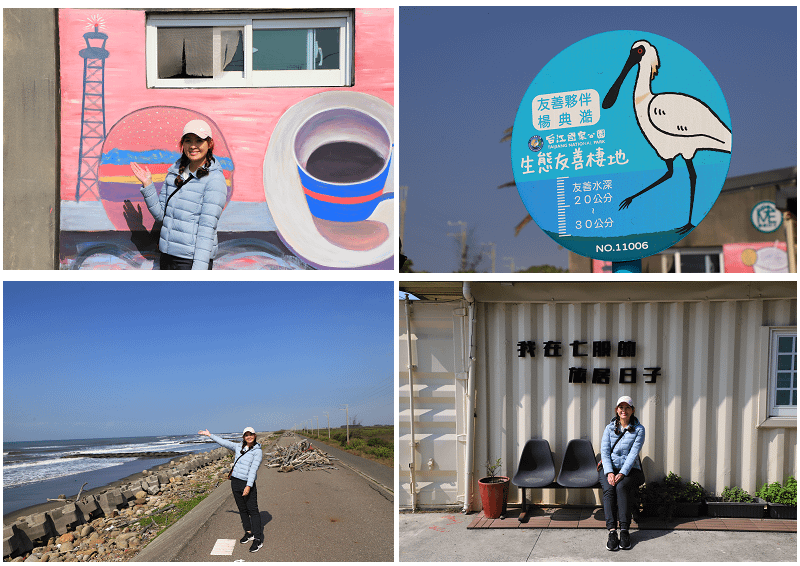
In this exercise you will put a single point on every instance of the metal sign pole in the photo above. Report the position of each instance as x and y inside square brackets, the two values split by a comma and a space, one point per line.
[634, 266]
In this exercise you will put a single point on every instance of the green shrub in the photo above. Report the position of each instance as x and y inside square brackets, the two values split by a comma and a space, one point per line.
[736, 495]
[356, 443]
[374, 441]
[777, 493]
[381, 452]
[664, 497]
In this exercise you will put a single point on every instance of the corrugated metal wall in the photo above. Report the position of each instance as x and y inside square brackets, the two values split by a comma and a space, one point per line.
[702, 415]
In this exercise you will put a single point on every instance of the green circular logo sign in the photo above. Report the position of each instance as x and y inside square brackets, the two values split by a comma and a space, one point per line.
[765, 217]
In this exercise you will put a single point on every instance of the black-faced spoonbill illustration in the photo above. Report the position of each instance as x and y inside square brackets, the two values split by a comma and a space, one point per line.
[673, 123]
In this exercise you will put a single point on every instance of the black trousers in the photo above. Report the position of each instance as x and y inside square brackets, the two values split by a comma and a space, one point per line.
[248, 507]
[173, 262]
[617, 498]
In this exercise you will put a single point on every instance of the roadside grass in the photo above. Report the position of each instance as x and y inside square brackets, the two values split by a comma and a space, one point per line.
[371, 442]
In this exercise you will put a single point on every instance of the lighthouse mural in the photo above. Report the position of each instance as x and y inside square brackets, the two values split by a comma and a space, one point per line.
[93, 109]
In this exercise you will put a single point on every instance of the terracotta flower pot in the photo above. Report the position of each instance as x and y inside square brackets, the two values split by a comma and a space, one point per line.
[494, 494]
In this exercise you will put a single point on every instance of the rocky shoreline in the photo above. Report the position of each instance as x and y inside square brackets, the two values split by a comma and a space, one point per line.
[105, 524]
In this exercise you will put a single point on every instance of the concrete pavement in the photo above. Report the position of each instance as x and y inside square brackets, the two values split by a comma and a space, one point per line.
[322, 515]
[443, 537]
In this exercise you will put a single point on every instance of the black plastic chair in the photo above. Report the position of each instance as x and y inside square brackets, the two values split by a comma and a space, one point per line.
[536, 469]
[579, 466]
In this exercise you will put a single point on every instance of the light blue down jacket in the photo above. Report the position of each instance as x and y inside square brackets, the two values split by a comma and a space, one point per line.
[247, 465]
[190, 222]
[625, 452]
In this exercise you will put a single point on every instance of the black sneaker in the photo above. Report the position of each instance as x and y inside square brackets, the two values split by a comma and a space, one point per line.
[246, 538]
[613, 541]
[256, 545]
[624, 540]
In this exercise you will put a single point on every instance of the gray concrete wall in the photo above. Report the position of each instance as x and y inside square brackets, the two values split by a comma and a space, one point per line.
[31, 143]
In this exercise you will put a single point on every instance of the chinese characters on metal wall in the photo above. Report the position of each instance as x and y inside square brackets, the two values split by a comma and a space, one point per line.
[600, 349]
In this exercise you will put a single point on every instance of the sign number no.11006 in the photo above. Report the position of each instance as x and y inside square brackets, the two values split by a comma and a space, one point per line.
[623, 247]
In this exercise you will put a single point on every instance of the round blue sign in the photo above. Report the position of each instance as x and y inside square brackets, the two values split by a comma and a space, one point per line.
[635, 145]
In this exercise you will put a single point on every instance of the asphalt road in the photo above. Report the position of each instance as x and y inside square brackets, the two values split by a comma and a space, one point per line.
[312, 516]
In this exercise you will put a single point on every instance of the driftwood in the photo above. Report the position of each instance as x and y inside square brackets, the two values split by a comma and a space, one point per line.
[65, 500]
[300, 456]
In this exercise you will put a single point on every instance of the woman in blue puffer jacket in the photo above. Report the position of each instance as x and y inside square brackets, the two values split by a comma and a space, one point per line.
[190, 201]
[243, 483]
[621, 471]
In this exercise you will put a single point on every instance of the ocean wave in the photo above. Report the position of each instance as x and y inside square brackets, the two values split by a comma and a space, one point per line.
[46, 470]
[29, 464]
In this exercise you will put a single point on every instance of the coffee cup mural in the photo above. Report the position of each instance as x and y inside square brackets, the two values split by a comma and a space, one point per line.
[343, 156]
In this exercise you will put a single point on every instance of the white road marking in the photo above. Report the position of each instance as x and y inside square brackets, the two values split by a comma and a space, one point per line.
[223, 547]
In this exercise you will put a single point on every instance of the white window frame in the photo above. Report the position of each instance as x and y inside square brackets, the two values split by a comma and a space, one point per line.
[774, 334]
[248, 22]
[676, 253]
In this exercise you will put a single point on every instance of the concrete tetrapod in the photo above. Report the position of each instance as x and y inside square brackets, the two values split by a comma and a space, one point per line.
[66, 518]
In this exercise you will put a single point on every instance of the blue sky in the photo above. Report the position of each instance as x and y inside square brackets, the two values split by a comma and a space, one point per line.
[465, 70]
[107, 359]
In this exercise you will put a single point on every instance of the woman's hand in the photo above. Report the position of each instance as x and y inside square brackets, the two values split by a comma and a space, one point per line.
[618, 478]
[204, 432]
[246, 491]
[142, 173]
[611, 479]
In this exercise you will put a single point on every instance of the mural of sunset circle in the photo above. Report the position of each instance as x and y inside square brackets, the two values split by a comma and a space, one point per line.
[149, 136]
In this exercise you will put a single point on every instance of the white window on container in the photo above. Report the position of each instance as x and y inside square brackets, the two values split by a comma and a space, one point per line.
[783, 373]
[275, 49]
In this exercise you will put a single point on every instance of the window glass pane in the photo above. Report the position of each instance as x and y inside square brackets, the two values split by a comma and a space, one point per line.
[699, 263]
[185, 52]
[327, 48]
[784, 380]
[288, 49]
[782, 397]
[785, 344]
[785, 362]
[280, 49]
[794, 398]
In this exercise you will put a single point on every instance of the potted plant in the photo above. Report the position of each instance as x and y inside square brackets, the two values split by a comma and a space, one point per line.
[494, 491]
[672, 498]
[735, 502]
[781, 499]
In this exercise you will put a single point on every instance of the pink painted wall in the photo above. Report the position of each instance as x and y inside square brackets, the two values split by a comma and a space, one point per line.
[247, 116]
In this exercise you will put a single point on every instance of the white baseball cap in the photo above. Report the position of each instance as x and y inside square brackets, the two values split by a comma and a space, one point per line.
[248, 429]
[625, 399]
[198, 127]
